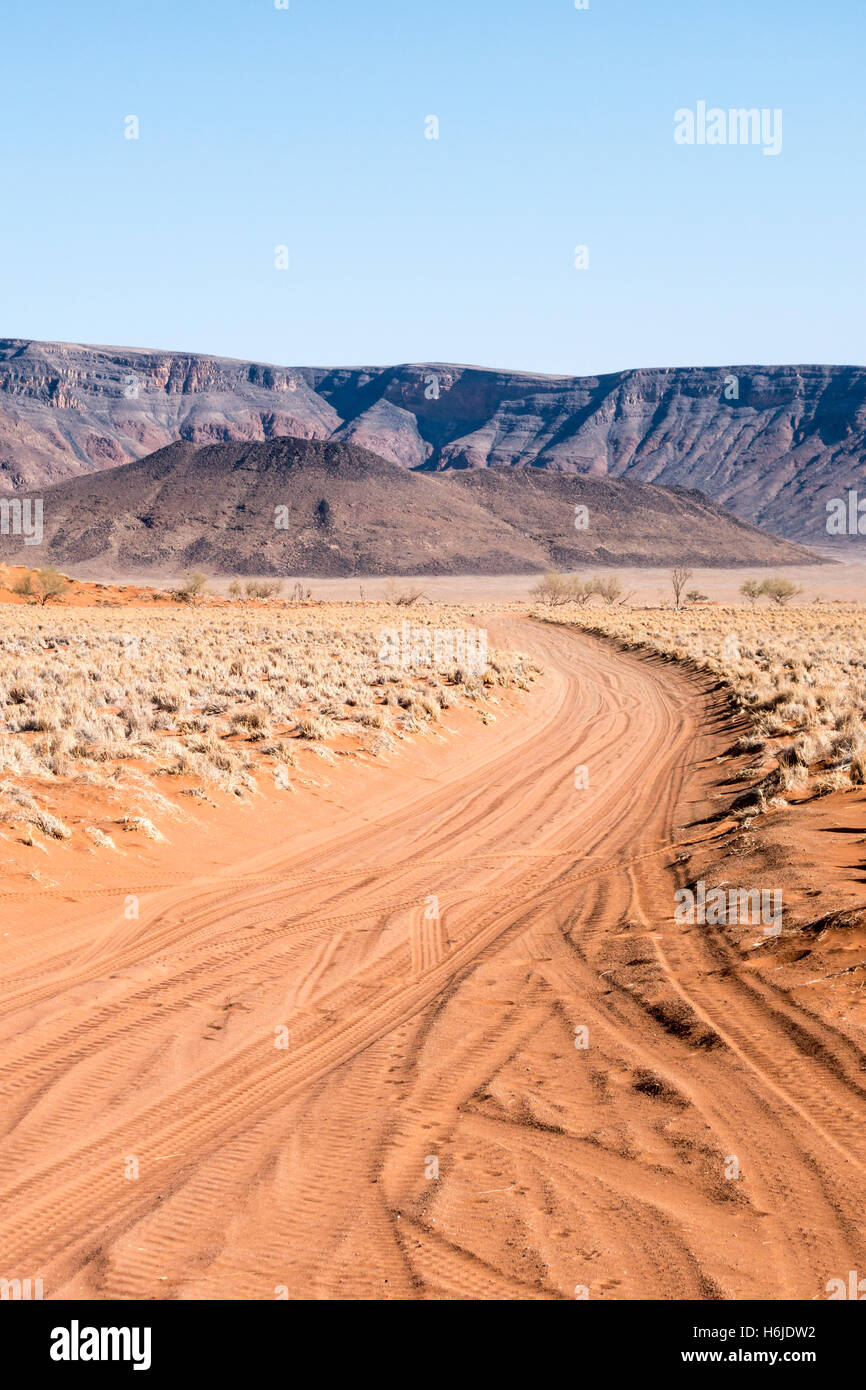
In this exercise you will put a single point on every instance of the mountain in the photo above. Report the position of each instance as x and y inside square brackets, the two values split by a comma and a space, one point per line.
[772, 444]
[324, 507]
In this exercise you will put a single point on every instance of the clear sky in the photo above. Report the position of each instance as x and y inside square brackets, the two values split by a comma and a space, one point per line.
[305, 127]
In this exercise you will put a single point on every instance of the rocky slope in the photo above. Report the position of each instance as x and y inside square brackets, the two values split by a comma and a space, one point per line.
[313, 507]
[773, 445]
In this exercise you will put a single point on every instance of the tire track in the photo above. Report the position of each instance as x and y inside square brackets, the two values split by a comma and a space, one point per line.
[434, 1128]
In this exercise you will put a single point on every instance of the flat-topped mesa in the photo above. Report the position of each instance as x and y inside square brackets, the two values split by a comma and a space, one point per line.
[756, 439]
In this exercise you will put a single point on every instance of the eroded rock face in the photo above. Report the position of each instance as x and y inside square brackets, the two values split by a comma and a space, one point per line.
[773, 444]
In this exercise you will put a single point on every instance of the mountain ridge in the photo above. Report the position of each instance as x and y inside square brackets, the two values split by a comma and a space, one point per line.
[771, 444]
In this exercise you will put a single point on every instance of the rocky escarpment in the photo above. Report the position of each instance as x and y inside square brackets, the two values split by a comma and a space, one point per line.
[773, 444]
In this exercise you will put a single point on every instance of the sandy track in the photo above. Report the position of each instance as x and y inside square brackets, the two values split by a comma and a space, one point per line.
[431, 1129]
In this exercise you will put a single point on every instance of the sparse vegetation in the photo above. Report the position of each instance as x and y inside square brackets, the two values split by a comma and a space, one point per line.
[751, 590]
[797, 673]
[42, 584]
[213, 700]
[778, 590]
[679, 579]
[191, 590]
[555, 590]
[263, 588]
[611, 592]
[405, 597]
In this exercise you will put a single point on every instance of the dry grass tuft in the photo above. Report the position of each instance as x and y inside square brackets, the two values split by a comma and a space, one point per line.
[210, 697]
[798, 674]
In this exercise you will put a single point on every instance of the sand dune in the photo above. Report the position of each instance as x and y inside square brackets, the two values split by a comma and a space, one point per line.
[431, 1129]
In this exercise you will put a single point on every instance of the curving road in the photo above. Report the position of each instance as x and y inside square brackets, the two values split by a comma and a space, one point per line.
[507, 1073]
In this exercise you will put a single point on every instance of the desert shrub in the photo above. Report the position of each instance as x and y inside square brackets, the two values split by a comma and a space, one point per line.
[50, 825]
[263, 588]
[191, 589]
[312, 728]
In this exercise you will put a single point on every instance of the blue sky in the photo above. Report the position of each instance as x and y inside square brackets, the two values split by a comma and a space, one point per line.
[305, 127]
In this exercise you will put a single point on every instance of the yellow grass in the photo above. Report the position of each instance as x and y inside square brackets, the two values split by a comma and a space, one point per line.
[798, 673]
[217, 697]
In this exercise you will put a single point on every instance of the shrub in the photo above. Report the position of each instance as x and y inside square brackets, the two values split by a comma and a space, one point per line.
[191, 590]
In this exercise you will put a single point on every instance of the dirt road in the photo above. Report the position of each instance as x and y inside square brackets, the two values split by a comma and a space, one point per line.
[458, 1048]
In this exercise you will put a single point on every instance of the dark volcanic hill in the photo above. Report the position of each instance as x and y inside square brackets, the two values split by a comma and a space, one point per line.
[314, 507]
[774, 453]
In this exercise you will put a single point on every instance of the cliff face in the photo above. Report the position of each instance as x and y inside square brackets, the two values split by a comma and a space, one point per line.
[771, 443]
